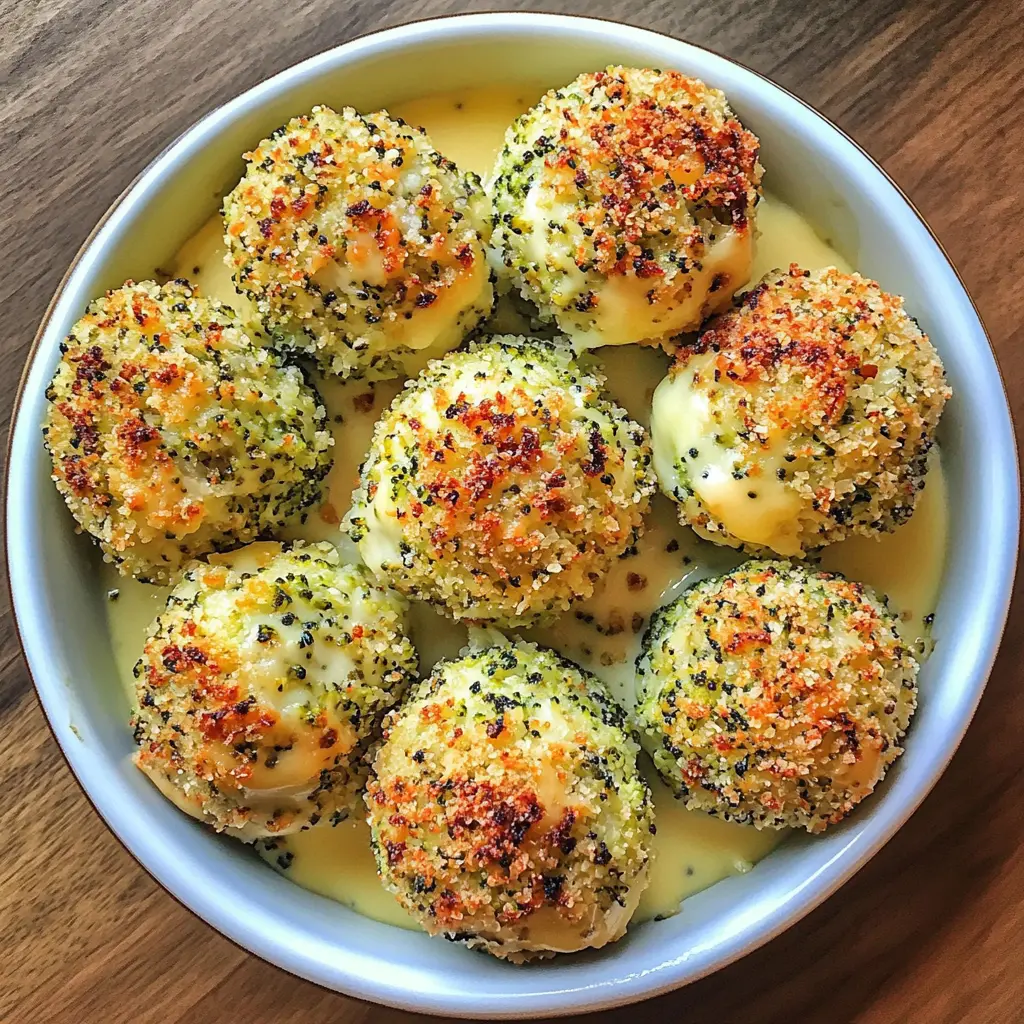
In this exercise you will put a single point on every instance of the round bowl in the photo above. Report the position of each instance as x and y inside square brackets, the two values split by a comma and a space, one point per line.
[58, 597]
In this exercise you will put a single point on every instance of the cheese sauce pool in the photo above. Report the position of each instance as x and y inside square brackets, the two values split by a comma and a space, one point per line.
[692, 849]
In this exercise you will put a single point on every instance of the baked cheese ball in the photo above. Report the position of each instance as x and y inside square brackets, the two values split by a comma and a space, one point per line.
[359, 243]
[262, 687]
[803, 415]
[624, 205]
[173, 433]
[775, 696]
[501, 484]
[506, 808]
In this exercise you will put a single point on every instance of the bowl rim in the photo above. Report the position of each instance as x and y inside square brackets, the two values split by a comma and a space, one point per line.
[567, 1001]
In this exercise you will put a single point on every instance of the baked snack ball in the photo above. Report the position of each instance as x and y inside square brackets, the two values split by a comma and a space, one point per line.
[173, 433]
[262, 687]
[359, 243]
[501, 484]
[506, 807]
[803, 415]
[624, 205]
[774, 695]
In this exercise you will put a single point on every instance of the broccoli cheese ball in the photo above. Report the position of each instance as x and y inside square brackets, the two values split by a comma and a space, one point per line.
[775, 696]
[500, 484]
[624, 205]
[801, 416]
[360, 244]
[262, 687]
[506, 808]
[172, 433]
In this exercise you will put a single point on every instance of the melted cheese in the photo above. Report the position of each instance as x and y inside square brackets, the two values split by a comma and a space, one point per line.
[381, 542]
[624, 315]
[692, 850]
[201, 260]
[688, 451]
[469, 127]
[784, 237]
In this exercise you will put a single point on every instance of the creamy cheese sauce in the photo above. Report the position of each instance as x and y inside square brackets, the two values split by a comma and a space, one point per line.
[603, 634]
[685, 429]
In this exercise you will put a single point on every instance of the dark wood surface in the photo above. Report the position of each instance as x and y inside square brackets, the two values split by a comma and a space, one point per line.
[933, 929]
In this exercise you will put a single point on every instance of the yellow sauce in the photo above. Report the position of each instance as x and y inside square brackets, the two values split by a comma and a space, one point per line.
[337, 863]
[469, 128]
[692, 850]
[905, 565]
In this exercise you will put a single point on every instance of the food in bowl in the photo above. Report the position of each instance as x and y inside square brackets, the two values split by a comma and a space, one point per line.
[359, 243]
[804, 414]
[598, 624]
[775, 696]
[844, 212]
[506, 808]
[173, 432]
[624, 205]
[263, 684]
[502, 484]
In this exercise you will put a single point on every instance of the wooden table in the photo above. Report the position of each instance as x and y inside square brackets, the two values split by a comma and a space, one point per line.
[933, 929]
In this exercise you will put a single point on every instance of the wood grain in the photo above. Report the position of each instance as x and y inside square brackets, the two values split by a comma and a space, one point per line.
[933, 929]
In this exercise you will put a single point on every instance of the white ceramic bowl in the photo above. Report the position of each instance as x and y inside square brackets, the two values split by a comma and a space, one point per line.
[60, 610]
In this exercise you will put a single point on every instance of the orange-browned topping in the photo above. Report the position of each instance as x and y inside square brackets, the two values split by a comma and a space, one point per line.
[816, 393]
[814, 337]
[776, 696]
[173, 434]
[263, 684]
[509, 481]
[506, 806]
[640, 155]
[630, 174]
[359, 242]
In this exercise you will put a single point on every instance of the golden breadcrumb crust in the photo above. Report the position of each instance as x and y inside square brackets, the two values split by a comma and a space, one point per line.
[506, 806]
[359, 243]
[774, 695]
[626, 173]
[172, 433]
[262, 687]
[507, 483]
[822, 381]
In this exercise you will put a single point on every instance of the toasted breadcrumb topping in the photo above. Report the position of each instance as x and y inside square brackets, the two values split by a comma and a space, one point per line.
[359, 243]
[775, 696]
[506, 806]
[627, 173]
[506, 483]
[262, 687]
[173, 433]
[822, 381]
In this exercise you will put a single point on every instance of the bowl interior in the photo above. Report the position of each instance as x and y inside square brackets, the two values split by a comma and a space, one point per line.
[59, 599]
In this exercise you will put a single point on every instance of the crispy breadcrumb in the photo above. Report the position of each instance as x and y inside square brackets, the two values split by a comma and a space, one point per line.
[262, 687]
[360, 244]
[506, 807]
[624, 205]
[500, 485]
[173, 433]
[775, 696]
[819, 395]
